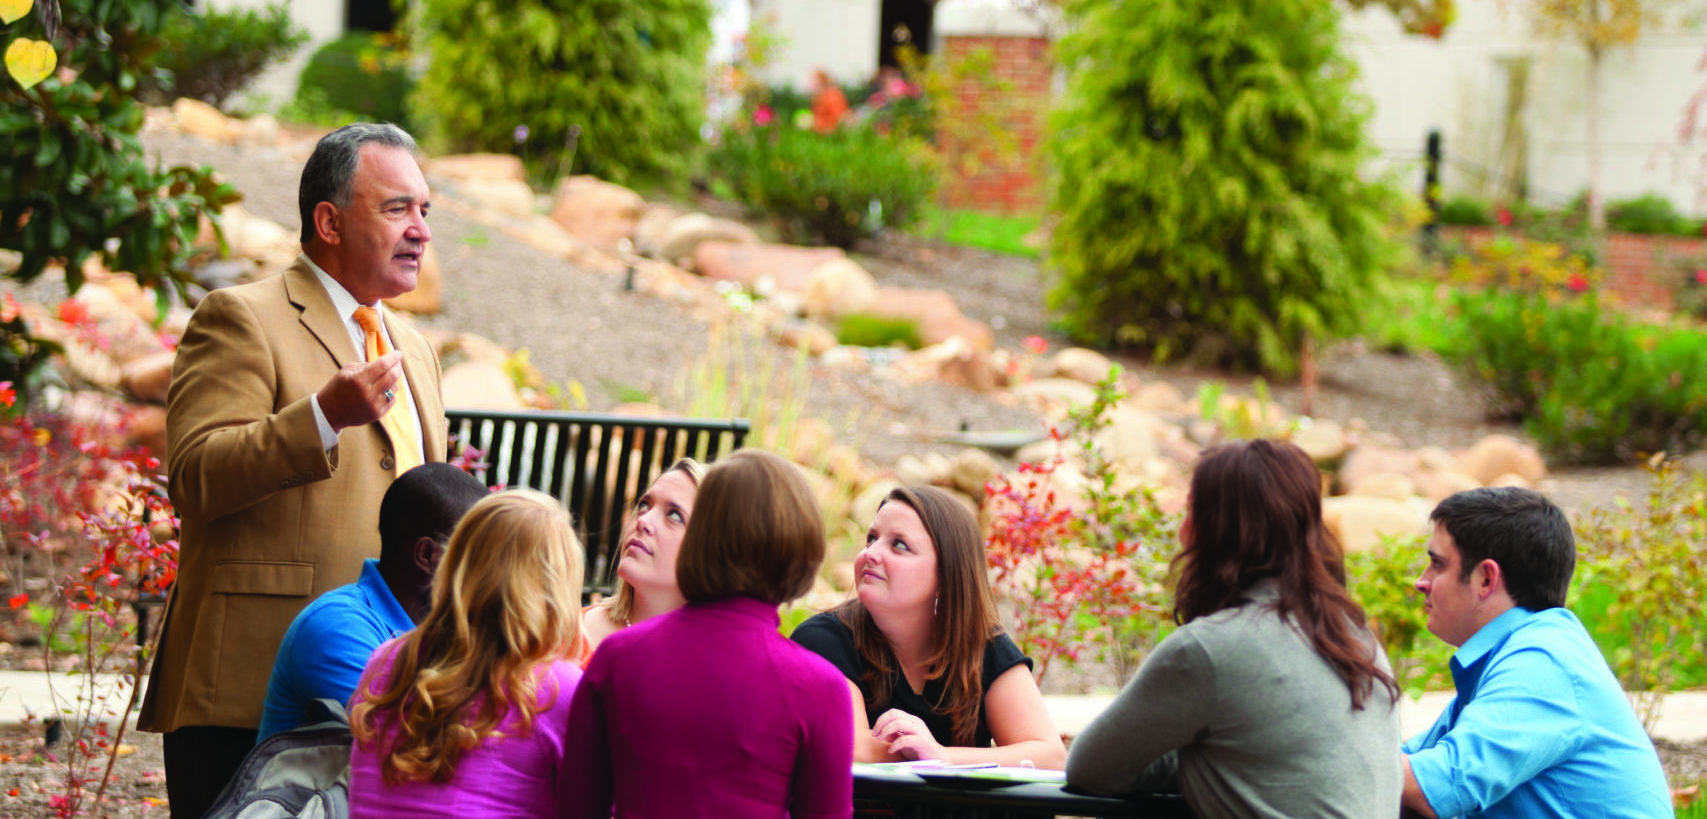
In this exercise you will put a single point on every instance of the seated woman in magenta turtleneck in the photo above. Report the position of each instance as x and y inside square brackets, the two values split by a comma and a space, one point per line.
[707, 711]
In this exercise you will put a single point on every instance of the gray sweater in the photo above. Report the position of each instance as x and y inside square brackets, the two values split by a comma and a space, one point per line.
[1239, 711]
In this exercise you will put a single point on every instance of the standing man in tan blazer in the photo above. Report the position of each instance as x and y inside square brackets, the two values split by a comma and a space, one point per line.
[286, 422]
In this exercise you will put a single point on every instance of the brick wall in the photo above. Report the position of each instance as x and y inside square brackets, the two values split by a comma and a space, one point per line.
[1642, 271]
[1011, 186]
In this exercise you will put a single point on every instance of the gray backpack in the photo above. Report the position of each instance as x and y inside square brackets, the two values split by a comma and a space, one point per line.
[303, 772]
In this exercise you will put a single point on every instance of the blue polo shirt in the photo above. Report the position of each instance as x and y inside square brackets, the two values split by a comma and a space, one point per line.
[1539, 728]
[327, 647]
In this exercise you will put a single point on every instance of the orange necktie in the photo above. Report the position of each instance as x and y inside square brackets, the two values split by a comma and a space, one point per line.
[398, 423]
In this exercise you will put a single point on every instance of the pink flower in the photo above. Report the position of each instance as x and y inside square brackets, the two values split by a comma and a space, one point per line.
[10, 309]
[1036, 345]
[1701, 276]
[1504, 217]
[1577, 283]
[764, 116]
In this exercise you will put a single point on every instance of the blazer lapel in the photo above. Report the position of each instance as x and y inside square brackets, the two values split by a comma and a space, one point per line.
[319, 317]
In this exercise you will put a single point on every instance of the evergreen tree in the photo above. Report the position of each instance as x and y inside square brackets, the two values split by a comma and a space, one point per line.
[1209, 188]
[620, 83]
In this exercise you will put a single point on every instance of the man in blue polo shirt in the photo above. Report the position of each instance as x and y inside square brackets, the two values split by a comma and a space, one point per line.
[329, 643]
[1540, 727]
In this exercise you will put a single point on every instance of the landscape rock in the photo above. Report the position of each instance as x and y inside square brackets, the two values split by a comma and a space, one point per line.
[428, 296]
[127, 337]
[480, 385]
[145, 426]
[463, 167]
[971, 470]
[1159, 397]
[1496, 455]
[508, 198]
[787, 267]
[1438, 486]
[1375, 459]
[260, 131]
[837, 288]
[813, 336]
[600, 213]
[1080, 364]
[1130, 437]
[1361, 522]
[1512, 479]
[1055, 393]
[655, 219]
[1384, 485]
[911, 470]
[935, 314]
[147, 378]
[197, 118]
[952, 362]
[863, 510]
[1323, 440]
[686, 233]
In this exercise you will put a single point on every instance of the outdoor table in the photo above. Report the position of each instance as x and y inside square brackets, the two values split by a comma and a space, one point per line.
[915, 797]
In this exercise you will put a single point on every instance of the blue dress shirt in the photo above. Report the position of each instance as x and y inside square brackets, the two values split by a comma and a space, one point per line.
[327, 647]
[1539, 728]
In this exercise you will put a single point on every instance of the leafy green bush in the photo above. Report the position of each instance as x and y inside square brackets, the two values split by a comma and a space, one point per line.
[1383, 581]
[608, 87]
[1652, 213]
[1640, 591]
[859, 330]
[71, 161]
[1466, 210]
[1208, 180]
[837, 187]
[1591, 386]
[214, 54]
[362, 73]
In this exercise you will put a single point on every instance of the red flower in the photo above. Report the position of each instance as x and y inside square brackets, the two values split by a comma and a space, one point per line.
[73, 312]
[1504, 217]
[764, 116]
[1036, 344]
[8, 396]
[10, 309]
[1577, 283]
[1701, 276]
[18, 601]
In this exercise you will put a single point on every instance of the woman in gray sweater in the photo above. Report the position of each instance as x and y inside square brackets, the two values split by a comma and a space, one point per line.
[1272, 698]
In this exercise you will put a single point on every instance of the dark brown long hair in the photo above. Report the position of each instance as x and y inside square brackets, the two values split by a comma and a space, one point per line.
[1256, 513]
[965, 620]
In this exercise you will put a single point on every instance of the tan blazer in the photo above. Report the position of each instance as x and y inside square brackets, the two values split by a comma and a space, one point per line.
[269, 520]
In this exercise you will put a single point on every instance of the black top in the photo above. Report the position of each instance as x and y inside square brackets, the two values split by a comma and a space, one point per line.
[828, 637]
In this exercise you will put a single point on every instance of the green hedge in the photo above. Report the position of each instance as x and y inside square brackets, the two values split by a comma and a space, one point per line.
[360, 73]
[214, 54]
[836, 188]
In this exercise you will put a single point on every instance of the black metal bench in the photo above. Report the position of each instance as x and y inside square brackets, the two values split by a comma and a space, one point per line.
[596, 463]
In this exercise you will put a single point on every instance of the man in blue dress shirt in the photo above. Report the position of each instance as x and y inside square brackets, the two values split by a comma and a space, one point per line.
[329, 643]
[1540, 726]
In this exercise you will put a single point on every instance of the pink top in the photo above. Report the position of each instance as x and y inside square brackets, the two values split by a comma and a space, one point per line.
[514, 775]
[708, 712]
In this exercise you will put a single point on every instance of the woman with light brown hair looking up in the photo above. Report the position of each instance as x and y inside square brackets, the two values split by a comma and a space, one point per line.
[646, 568]
[930, 671]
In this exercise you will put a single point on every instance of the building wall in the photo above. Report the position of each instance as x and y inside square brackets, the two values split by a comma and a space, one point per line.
[838, 36]
[322, 19]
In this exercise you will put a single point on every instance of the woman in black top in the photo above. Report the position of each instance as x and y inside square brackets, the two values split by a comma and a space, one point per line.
[931, 673]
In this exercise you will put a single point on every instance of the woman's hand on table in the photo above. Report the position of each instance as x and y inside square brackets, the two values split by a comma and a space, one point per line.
[906, 736]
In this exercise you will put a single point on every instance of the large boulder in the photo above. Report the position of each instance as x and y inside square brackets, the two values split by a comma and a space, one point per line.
[1131, 437]
[500, 199]
[147, 378]
[953, 362]
[837, 288]
[935, 314]
[197, 118]
[1498, 455]
[1373, 459]
[685, 233]
[600, 213]
[480, 385]
[1362, 522]
[1054, 395]
[971, 470]
[1080, 364]
[649, 229]
[428, 296]
[1324, 441]
[761, 266]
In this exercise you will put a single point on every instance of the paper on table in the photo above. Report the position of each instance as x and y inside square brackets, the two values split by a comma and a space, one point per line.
[935, 769]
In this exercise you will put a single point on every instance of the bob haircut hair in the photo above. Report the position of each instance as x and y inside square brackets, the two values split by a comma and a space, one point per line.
[966, 614]
[1256, 513]
[755, 532]
[620, 606]
[506, 600]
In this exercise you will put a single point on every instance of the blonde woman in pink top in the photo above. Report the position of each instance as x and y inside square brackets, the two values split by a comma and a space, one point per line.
[465, 716]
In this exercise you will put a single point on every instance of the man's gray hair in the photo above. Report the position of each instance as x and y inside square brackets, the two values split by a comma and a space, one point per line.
[331, 170]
